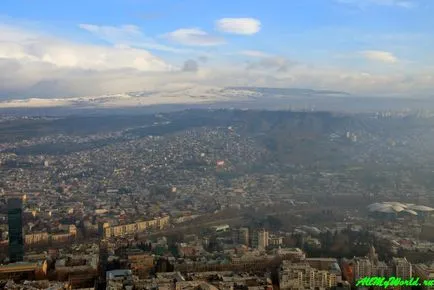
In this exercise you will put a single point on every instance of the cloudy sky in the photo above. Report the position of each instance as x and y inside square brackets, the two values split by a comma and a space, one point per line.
[90, 47]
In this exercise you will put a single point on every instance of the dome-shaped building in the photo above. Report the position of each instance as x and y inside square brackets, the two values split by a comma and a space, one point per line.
[390, 210]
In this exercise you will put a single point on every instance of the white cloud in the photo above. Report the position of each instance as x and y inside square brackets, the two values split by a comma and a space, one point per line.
[35, 65]
[128, 35]
[112, 32]
[381, 56]
[53, 66]
[193, 37]
[246, 26]
[60, 53]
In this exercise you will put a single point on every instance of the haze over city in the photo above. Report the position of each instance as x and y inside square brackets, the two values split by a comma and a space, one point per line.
[207, 145]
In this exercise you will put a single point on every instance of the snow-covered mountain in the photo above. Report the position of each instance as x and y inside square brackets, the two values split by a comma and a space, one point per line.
[191, 95]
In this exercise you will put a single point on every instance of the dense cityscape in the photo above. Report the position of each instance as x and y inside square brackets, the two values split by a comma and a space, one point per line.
[215, 202]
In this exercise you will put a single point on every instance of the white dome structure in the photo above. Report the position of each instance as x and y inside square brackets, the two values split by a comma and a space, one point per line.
[387, 209]
[394, 203]
[410, 211]
[398, 208]
[420, 208]
[392, 207]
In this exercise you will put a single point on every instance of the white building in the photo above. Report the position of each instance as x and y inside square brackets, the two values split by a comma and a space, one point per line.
[362, 268]
[303, 276]
[402, 268]
[260, 239]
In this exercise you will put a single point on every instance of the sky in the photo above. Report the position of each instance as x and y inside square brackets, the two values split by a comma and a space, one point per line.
[78, 48]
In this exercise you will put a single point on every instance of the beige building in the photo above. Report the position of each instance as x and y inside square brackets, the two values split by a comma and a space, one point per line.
[140, 263]
[36, 238]
[321, 263]
[424, 272]
[275, 241]
[72, 230]
[60, 237]
[291, 253]
[402, 268]
[303, 276]
[30, 271]
[260, 239]
[381, 269]
[135, 228]
[362, 268]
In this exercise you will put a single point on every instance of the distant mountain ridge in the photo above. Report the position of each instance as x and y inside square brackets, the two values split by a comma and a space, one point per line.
[289, 91]
[191, 95]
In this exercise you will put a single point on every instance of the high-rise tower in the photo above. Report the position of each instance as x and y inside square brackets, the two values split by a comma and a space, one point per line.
[15, 223]
[102, 268]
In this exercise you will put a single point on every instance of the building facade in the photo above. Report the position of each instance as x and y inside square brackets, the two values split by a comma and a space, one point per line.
[260, 239]
[241, 236]
[36, 238]
[15, 223]
[135, 228]
[303, 276]
[402, 268]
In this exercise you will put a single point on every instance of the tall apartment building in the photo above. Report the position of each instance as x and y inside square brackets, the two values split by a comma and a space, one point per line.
[382, 269]
[370, 266]
[362, 267]
[260, 239]
[372, 255]
[378, 268]
[241, 236]
[402, 268]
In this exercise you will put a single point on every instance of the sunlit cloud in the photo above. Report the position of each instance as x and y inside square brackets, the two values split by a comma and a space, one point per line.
[246, 26]
[193, 37]
[381, 56]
